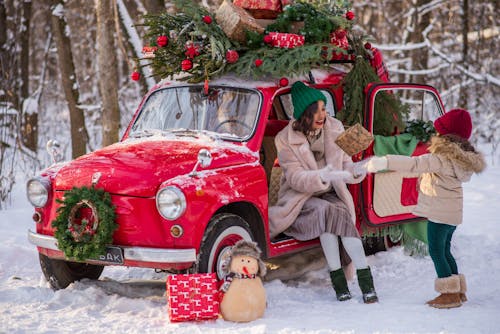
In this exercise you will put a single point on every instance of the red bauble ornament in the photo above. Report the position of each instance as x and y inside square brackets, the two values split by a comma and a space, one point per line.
[135, 76]
[232, 56]
[258, 62]
[283, 82]
[162, 41]
[268, 39]
[186, 65]
[368, 46]
[349, 15]
[207, 19]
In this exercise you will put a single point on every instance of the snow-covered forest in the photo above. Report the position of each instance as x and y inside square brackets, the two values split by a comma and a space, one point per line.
[65, 68]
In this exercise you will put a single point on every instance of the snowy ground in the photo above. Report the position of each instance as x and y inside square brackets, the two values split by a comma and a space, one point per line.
[131, 300]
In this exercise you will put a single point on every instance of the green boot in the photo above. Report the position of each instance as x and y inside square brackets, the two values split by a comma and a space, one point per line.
[340, 284]
[365, 281]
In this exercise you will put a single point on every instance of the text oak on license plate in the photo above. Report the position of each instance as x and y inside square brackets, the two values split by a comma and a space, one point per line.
[112, 255]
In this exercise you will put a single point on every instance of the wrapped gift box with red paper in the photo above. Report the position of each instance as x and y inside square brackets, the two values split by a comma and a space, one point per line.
[285, 40]
[262, 9]
[149, 51]
[339, 39]
[192, 297]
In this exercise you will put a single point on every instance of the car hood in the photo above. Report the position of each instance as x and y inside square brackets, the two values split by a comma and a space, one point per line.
[138, 167]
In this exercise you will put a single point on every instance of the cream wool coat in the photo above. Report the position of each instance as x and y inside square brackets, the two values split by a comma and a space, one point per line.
[300, 178]
[440, 196]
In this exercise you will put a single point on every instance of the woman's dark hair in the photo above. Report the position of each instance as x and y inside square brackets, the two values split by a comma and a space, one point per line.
[305, 121]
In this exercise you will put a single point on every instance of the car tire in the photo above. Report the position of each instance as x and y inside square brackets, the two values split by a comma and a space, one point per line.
[222, 233]
[374, 245]
[61, 273]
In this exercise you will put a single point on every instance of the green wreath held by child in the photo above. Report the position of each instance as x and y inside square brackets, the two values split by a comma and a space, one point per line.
[85, 223]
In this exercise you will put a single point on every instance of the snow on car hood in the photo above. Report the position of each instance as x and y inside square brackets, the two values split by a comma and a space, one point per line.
[136, 167]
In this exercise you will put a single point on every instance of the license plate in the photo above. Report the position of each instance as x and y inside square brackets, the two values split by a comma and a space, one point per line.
[112, 255]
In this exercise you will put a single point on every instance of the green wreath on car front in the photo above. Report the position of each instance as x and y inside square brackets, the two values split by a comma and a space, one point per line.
[85, 223]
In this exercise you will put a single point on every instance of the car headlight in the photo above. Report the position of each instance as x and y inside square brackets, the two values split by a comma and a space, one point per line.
[170, 202]
[37, 190]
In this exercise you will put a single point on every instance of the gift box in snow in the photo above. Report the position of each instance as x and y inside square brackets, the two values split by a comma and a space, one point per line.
[192, 297]
[284, 40]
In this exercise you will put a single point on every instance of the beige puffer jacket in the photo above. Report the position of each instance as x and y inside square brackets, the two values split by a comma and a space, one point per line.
[443, 170]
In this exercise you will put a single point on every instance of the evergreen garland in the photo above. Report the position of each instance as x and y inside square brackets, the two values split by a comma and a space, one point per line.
[389, 111]
[277, 62]
[88, 245]
[420, 129]
[317, 24]
[183, 30]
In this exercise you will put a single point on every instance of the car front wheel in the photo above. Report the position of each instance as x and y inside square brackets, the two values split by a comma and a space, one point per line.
[223, 232]
[60, 273]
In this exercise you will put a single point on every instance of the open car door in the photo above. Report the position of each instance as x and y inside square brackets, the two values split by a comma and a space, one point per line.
[389, 197]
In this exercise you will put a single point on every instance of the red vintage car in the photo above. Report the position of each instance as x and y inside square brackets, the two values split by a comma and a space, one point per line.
[196, 171]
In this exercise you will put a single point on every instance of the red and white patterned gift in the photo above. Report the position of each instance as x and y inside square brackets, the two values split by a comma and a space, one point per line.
[275, 5]
[285, 40]
[192, 297]
[149, 51]
[339, 39]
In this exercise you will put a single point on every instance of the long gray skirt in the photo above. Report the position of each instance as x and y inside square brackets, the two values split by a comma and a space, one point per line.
[325, 213]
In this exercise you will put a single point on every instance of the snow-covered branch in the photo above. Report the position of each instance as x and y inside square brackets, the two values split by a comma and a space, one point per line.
[135, 41]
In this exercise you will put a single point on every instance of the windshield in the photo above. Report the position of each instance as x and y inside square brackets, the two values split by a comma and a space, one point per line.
[224, 111]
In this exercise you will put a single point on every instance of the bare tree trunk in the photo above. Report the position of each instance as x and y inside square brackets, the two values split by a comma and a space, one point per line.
[79, 135]
[465, 50]
[29, 122]
[420, 57]
[108, 72]
[3, 24]
[154, 6]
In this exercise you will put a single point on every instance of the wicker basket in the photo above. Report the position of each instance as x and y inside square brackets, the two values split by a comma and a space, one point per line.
[354, 140]
[235, 21]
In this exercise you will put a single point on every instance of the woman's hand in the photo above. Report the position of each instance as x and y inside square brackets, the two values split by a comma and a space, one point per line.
[329, 175]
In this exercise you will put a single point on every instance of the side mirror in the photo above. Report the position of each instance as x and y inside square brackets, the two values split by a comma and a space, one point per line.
[204, 160]
[54, 149]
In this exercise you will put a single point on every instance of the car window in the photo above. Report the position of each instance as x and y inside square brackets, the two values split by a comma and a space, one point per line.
[420, 104]
[224, 111]
[286, 102]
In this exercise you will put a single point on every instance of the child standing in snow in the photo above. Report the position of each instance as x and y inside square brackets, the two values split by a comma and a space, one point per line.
[452, 160]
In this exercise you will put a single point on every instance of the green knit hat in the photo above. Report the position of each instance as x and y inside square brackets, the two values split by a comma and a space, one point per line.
[303, 96]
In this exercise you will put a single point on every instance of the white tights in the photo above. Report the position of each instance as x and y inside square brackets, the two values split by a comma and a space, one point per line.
[353, 247]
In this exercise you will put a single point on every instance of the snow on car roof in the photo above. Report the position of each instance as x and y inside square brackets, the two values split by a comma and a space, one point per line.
[235, 81]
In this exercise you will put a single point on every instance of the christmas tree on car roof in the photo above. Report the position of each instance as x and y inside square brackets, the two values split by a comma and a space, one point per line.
[262, 39]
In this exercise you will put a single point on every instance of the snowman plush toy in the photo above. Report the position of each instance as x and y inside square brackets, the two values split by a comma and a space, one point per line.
[243, 294]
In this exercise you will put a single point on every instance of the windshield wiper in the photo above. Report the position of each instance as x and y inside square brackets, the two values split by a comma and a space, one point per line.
[147, 133]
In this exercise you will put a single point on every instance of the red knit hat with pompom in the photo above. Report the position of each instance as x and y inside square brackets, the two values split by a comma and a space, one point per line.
[456, 122]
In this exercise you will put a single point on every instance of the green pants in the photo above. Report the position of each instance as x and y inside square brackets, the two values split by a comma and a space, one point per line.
[439, 236]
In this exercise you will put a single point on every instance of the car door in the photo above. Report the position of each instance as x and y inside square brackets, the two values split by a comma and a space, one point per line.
[390, 197]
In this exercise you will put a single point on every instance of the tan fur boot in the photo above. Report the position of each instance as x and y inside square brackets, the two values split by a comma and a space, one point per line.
[449, 287]
[463, 288]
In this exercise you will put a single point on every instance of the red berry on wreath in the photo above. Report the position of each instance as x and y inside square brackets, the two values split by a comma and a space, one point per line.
[368, 46]
[186, 65]
[283, 82]
[232, 56]
[258, 62]
[162, 40]
[349, 15]
[207, 19]
[135, 76]
[268, 39]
